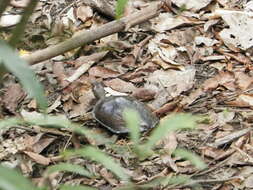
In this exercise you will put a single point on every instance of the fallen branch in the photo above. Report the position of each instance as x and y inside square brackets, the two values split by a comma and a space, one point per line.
[229, 138]
[88, 36]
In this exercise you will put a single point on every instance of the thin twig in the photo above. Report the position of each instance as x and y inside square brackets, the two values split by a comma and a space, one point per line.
[207, 181]
[87, 36]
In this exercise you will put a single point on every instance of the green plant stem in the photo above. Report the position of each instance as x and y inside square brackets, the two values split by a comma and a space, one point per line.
[20, 27]
[4, 4]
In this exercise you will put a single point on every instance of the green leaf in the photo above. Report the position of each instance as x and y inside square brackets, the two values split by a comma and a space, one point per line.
[120, 7]
[10, 122]
[76, 187]
[4, 4]
[100, 157]
[21, 70]
[193, 158]
[12, 180]
[60, 121]
[66, 167]
[132, 119]
[20, 27]
[174, 122]
[158, 182]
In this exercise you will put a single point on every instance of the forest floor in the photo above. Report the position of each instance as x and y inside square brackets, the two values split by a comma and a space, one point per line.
[194, 58]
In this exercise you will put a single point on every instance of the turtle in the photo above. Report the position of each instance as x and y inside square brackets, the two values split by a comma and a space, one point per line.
[108, 111]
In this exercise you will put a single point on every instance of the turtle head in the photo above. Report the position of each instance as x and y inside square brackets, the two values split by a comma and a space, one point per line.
[98, 89]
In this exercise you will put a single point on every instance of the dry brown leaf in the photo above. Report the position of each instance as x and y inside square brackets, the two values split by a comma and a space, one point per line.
[243, 100]
[108, 177]
[206, 41]
[13, 96]
[169, 84]
[249, 182]
[60, 73]
[222, 78]
[84, 104]
[144, 94]
[38, 158]
[84, 13]
[211, 152]
[167, 21]
[119, 45]
[193, 5]
[120, 85]
[240, 33]
[238, 57]
[169, 143]
[243, 80]
[99, 71]
[173, 81]
[42, 143]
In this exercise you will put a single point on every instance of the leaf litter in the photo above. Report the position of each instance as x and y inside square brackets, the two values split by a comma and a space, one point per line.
[193, 57]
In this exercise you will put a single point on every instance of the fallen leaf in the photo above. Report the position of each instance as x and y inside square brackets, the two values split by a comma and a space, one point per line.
[84, 13]
[108, 177]
[84, 103]
[60, 73]
[169, 84]
[42, 143]
[249, 182]
[193, 5]
[211, 152]
[204, 40]
[120, 85]
[38, 158]
[243, 80]
[99, 71]
[13, 96]
[167, 21]
[243, 100]
[144, 94]
[223, 78]
[232, 36]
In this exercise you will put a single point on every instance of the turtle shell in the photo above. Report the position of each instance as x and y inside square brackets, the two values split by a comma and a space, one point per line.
[108, 112]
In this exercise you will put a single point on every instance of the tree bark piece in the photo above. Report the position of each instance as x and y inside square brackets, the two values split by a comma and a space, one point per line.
[88, 36]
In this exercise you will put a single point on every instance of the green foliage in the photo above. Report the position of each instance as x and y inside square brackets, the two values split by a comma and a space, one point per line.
[182, 8]
[194, 159]
[165, 181]
[59, 121]
[172, 123]
[21, 70]
[10, 122]
[14, 64]
[120, 7]
[4, 4]
[100, 157]
[20, 27]
[66, 167]
[132, 121]
[12, 180]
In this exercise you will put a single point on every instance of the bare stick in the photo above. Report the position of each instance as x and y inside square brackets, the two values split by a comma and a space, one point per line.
[88, 36]
[231, 137]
